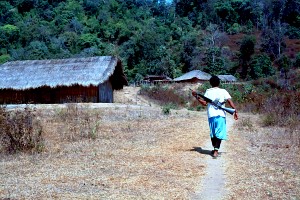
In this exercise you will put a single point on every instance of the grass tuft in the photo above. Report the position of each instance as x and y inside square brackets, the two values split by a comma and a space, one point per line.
[78, 123]
[21, 131]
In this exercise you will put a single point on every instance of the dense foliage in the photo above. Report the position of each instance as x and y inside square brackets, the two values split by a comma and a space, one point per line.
[152, 36]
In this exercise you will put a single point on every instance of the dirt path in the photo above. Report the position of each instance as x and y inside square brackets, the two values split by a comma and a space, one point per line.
[212, 185]
[130, 95]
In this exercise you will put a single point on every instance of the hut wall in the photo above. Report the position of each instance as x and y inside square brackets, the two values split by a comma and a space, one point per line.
[193, 80]
[61, 94]
[106, 92]
[76, 93]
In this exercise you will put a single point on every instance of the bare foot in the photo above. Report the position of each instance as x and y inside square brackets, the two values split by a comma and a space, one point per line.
[215, 154]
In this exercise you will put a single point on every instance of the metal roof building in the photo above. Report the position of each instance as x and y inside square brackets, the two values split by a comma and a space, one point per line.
[200, 76]
[193, 76]
[227, 78]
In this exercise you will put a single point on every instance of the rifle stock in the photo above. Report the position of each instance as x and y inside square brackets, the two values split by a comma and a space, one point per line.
[219, 105]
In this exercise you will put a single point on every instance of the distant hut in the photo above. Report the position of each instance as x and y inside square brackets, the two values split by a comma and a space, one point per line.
[155, 79]
[90, 79]
[227, 78]
[194, 76]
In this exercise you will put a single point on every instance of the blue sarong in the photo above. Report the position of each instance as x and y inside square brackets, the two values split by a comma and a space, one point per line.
[217, 127]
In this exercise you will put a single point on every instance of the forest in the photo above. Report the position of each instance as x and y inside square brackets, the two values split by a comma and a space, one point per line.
[250, 39]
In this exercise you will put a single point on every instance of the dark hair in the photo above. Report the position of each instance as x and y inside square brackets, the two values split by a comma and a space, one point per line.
[214, 81]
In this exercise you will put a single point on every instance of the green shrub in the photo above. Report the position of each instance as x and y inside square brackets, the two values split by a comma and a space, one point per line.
[234, 29]
[166, 109]
[199, 108]
[4, 58]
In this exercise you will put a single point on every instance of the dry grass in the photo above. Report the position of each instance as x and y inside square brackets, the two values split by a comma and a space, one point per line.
[119, 151]
[265, 163]
[20, 130]
[137, 153]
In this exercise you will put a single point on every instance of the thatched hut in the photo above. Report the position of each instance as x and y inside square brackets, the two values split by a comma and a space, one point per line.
[156, 79]
[194, 76]
[90, 79]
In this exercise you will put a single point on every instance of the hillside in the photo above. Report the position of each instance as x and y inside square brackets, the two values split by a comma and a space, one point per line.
[155, 37]
[291, 49]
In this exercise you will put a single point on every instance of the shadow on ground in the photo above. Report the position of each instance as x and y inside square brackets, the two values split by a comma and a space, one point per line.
[202, 151]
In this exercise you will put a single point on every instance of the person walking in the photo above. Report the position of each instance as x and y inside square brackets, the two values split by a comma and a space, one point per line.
[216, 116]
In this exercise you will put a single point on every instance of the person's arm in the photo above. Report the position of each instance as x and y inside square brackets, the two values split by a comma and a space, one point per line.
[204, 103]
[235, 115]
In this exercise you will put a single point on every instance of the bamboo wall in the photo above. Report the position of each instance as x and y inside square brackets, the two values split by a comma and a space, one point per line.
[106, 92]
[62, 94]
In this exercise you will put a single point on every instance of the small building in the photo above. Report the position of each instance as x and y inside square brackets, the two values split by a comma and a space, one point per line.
[227, 78]
[156, 79]
[90, 79]
[195, 76]
[198, 76]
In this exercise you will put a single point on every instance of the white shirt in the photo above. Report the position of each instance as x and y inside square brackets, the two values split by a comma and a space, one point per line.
[213, 94]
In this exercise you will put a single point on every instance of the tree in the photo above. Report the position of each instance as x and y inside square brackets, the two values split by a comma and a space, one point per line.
[69, 40]
[9, 37]
[25, 5]
[257, 13]
[284, 64]
[227, 13]
[297, 61]
[91, 6]
[246, 51]
[37, 51]
[279, 33]
[273, 39]
[261, 66]
[190, 51]
[5, 11]
[291, 16]
[8, 34]
[214, 62]
[213, 45]
[88, 40]
[57, 48]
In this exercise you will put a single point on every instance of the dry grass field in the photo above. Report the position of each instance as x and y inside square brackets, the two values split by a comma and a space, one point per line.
[135, 152]
[132, 150]
[263, 162]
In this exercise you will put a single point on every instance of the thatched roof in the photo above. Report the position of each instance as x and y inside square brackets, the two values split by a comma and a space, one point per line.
[227, 78]
[62, 72]
[194, 74]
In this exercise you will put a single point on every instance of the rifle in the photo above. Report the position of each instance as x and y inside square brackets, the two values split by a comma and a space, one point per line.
[215, 103]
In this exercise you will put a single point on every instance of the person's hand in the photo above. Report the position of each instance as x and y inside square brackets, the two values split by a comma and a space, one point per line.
[235, 115]
[194, 93]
